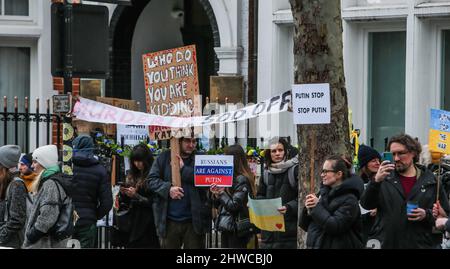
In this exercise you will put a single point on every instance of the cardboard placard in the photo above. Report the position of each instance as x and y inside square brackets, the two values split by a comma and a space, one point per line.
[171, 87]
[110, 129]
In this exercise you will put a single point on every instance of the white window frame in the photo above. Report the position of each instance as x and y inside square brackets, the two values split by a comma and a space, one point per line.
[12, 19]
[35, 91]
[360, 85]
[439, 27]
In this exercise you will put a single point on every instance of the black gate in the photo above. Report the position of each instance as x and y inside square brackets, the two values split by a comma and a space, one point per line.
[20, 120]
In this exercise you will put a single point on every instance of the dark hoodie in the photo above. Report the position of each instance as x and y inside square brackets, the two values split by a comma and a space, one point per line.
[335, 223]
[93, 197]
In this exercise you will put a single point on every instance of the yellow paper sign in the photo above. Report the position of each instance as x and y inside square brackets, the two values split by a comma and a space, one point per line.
[439, 141]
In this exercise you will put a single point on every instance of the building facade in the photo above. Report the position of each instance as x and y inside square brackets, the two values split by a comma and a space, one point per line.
[396, 56]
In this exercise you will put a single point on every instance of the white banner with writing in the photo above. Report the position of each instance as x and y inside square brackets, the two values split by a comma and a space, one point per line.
[92, 111]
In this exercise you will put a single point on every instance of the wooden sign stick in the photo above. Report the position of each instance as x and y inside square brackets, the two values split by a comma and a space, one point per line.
[313, 149]
[174, 151]
[438, 180]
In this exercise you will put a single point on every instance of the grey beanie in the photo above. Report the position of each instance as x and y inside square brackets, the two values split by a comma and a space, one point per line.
[9, 156]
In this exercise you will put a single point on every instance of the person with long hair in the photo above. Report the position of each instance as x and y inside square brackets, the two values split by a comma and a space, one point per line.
[139, 200]
[280, 180]
[232, 202]
[12, 199]
[333, 221]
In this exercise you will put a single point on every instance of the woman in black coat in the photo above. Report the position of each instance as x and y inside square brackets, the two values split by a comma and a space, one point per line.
[280, 180]
[333, 221]
[232, 202]
[138, 199]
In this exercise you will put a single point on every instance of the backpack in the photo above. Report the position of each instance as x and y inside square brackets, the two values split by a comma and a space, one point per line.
[65, 225]
[291, 177]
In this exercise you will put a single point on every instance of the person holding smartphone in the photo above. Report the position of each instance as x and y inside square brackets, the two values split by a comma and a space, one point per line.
[399, 186]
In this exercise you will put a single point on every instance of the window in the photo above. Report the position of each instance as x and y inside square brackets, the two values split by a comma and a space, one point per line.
[14, 7]
[14, 81]
[446, 69]
[386, 84]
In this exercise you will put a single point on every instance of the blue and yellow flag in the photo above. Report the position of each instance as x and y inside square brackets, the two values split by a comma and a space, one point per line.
[265, 216]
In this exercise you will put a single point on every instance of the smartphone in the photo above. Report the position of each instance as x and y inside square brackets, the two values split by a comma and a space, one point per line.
[387, 156]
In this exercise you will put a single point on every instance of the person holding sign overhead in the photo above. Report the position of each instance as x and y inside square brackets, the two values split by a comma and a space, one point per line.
[232, 202]
[182, 213]
[404, 193]
[280, 180]
[333, 221]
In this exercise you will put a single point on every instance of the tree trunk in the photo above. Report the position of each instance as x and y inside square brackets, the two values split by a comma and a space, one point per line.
[318, 59]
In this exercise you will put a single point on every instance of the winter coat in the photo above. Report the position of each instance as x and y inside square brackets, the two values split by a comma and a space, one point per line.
[392, 227]
[335, 222]
[13, 229]
[93, 196]
[142, 222]
[279, 186]
[45, 211]
[232, 206]
[159, 181]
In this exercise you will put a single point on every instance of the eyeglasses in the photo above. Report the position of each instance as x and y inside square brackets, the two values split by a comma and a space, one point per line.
[325, 171]
[400, 154]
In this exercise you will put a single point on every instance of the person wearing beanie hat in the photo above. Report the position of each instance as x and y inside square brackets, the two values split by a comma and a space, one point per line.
[83, 145]
[26, 172]
[46, 156]
[368, 161]
[9, 156]
[46, 205]
[93, 195]
[12, 199]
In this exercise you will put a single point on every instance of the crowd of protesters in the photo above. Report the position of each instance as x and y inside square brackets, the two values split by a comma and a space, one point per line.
[392, 202]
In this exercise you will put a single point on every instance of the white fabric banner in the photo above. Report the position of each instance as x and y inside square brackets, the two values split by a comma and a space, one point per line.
[92, 111]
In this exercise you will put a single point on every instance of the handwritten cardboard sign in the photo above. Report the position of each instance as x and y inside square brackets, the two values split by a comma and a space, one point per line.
[171, 86]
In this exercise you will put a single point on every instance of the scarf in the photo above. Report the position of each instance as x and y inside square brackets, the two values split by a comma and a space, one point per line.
[281, 167]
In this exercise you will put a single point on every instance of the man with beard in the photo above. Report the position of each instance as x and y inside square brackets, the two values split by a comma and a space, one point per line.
[26, 172]
[404, 194]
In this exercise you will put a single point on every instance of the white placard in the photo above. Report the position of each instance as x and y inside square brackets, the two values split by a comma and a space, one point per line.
[132, 134]
[311, 103]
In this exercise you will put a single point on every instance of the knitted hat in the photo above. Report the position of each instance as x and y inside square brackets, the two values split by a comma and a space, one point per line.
[47, 156]
[9, 156]
[366, 154]
[84, 144]
[27, 160]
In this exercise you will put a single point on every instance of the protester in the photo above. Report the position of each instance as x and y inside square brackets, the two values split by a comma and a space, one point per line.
[45, 212]
[26, 172]
[139, 200]
[398, 186]
[443, 224]
[93, 196]
[12, 199]
[232, 202]
[333, 221]
[183, 214]
[280, 180]
[369, 163]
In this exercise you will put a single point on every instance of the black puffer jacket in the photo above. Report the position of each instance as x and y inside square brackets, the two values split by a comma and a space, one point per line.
[278, 186]
[233, 203]
[392, 227]
[93, 196]
[335, 222]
